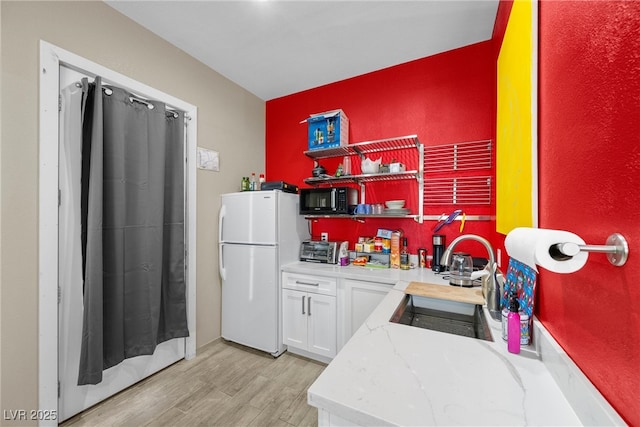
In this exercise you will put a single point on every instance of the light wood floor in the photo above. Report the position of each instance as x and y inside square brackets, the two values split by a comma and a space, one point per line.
[224, 385]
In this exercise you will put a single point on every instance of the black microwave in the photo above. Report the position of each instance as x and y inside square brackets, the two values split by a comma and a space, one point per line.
[328, 201]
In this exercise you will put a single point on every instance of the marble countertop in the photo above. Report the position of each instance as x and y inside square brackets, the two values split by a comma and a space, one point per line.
[392, 374]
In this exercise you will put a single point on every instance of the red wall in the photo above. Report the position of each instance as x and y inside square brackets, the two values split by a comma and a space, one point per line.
[443, 99]
[589, 176]
[589, 160]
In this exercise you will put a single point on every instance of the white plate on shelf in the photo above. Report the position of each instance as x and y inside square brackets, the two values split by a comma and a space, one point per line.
[395, 204]
[402, 211]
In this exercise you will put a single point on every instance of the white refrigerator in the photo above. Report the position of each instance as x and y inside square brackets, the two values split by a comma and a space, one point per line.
[258, 232]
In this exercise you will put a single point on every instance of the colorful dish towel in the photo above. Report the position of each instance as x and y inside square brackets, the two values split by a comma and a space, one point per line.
[521, 279]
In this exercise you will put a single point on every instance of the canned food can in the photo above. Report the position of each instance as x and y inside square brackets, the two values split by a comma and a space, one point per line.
[386, 246]
[422, 258]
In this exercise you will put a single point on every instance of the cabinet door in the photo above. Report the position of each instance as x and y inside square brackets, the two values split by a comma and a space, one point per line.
[294, 318]
[360, 300]
[321, 313]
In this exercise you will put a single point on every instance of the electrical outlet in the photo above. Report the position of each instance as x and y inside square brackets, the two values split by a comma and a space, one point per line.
[499, 258]
[324, 236]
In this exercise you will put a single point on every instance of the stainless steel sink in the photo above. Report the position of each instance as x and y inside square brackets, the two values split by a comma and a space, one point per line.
[467, 320]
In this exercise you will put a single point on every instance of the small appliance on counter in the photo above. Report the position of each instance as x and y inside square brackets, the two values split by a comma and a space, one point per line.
[328, 201]
[279, 185]
[438, 250]
[460, 270]
[321, 251]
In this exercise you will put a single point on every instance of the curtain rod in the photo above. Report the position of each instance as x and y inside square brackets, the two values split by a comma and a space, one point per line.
[168, 109]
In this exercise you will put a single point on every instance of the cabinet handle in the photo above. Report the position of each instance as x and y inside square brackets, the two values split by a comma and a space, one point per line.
[309, 306]
[300, 282]
[303, 304]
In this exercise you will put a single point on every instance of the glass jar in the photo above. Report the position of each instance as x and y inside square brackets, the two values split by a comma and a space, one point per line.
[346, 165]
[377, 244]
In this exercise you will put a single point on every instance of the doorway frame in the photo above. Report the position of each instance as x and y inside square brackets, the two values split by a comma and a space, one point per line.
[51, 58]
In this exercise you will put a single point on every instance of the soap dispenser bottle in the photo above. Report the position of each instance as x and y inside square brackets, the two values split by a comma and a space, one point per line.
[513, 325]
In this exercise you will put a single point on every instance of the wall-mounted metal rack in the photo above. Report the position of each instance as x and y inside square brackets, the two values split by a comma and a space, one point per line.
[417, 218]
[362, 149]
[461, 156]
[459, 218]
[360, 179]
[474, 190]
[367, 147]
[449, 173]
[445, 174]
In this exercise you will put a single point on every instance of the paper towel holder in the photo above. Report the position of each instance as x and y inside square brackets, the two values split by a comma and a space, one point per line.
[616, 248]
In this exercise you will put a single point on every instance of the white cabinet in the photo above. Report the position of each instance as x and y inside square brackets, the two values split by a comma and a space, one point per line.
[357, 300]
[309, 315]
[294, 319]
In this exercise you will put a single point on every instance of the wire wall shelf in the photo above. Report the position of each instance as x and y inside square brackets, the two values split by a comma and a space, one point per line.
[463, 156]
[367, 147]
[456, 174]
[407, 147]
[449, 177]
[359, 179]
[472, 190]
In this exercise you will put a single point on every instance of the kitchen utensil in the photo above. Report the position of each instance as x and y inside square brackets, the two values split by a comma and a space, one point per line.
[394, 204]
[442, 221]
[460, 270]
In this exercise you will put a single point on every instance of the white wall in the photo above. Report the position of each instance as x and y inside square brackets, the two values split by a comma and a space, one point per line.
[231, 121]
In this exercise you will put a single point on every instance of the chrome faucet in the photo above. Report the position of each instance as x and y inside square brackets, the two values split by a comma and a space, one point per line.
[493, 288]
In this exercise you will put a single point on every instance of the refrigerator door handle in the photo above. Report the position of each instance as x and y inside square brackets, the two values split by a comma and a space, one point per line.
[223, 212]
[303, 304]
[223, 272]
[309, 306]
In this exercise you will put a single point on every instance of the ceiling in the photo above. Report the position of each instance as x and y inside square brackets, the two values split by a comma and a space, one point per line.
[275, 48]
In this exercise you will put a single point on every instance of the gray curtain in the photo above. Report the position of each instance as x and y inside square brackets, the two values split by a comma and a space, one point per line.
[133, 229]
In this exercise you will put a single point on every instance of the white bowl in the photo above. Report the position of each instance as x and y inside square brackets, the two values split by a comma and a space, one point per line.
[394, 204]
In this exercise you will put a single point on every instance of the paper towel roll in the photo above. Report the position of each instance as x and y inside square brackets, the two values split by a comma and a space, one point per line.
[531, 246]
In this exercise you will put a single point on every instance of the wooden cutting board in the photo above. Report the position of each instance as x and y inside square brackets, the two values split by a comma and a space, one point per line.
[451, 293]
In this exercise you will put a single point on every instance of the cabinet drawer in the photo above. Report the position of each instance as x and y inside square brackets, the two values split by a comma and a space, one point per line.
[307, 283]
